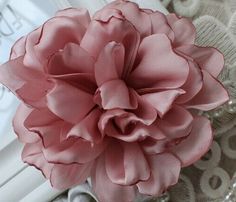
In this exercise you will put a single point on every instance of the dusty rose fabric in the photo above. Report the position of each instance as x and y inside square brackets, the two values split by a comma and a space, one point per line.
[109, 98]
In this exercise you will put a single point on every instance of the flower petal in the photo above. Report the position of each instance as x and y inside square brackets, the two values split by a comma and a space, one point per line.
[184, 30]
[29, 85]
[212, 94]
[65, 176]
[32, 154]
[116, 192]
[18, 49]
[80, 15]
[196, 144]
[73, 150]
[63, 98]
[133, 14]
[192, 85]
[72, 59]
[102, 31]
[165, 169]
[159, 66]
[208, 58]
[88, 127]
[162, 101]
[72, 31]
[109, 96]
[176, 123]
[23, 134]
[125, 163]
[110, 63]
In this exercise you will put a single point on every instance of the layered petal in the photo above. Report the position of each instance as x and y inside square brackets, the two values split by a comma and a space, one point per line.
[211, 95]
[32, 154]
[159, 67]
[18, 49]
[112, 27]
[81, 15]
[176, 123]
[208, 58]
[29, 85]
[125, 163]
[162, 101]
[165, 169]
[21, 131]
[110, 63]
[196, 144]
[116, 192]
[63, 98]
[72, 59]
[66, 176]
[74, 150]
[184, 30]
[88, 127]
[109, 97]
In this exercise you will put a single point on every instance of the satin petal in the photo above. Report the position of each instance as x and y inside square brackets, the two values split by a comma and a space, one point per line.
[212, 94]
[73, 150]
[65, 176]
[159, 66]
[18, 49]
[117, 193]
[63, 98]
[109, 96]
[162, 101]
[110, 63]
[126, 164]
[23, 134]
[88, 127]
[165, 170]
[196, 144]
[176, 123]
[80, 15]
[29, 85]
[208, 58]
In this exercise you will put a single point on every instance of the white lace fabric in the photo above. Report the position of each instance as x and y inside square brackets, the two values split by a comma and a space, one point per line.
[213, 178]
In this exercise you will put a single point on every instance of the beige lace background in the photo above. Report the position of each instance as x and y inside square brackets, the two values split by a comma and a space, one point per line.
[213, 178]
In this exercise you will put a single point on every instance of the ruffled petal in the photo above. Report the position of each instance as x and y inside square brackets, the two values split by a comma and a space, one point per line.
[103, 30]
[110, 63]
[151, 146]
[126, 164]
[73, 150]
[88, 127]
[102, 185]
[159, 66]
[208, 58]
[212, 94]
[72, 59]
[63, 98]
[29, 85]
[46, 125]
[23, 134]
[184, 30]
[165, 169]
[18, 49]
[32, 154]
[81, 15]
[192, 85]
[196, 144]
[162, 101]
[176, 123]
[109, 97]
[131, 11]
[66, 176]
[50, 41]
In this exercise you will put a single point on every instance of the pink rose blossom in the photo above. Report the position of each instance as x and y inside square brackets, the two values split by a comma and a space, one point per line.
[110, 98]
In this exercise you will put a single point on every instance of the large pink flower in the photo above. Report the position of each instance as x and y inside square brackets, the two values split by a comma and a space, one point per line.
[108, 98]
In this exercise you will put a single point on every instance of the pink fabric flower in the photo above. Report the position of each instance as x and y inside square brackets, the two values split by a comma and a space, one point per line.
[109, 98]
